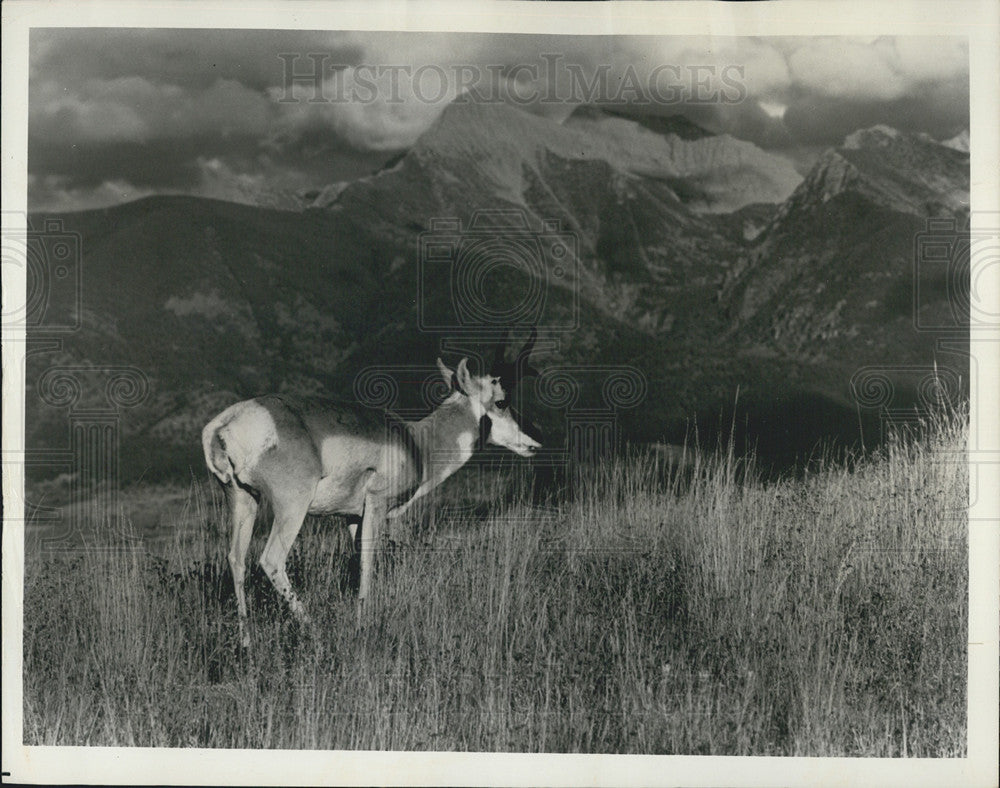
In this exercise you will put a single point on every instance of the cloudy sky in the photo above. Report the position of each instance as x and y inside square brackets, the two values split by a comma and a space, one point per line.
[119, 114]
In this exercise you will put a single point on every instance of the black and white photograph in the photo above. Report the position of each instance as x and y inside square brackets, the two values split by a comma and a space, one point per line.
[466, 394]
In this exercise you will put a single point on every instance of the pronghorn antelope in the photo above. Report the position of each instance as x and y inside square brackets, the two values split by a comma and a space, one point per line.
[327, 459]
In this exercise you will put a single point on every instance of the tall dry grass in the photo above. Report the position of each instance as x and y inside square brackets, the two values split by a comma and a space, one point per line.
[638, 610]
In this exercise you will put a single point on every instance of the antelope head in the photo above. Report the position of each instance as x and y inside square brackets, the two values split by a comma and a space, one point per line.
[489, 402]
[506, 432]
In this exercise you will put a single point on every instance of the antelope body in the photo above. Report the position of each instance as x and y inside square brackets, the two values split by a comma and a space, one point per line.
[315, 458]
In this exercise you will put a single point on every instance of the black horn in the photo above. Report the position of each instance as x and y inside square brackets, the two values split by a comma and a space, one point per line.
[500, 354]
[511, 372]
[524, 369]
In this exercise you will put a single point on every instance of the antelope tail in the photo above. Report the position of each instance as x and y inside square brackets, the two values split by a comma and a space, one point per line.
[216, 458]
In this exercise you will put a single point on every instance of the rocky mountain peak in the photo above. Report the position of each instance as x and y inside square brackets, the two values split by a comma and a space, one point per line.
[708, 173]
[959, 142]
[910, 173]
[878, 136]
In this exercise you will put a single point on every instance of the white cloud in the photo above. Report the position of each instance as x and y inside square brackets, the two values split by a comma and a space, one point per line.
[764, 68]
[773, 109]
[259, 182]
[885, 69]
[55, 113]
[386, 111]
[208, 102]
[922, 59]
[53, 193]
[842, 69]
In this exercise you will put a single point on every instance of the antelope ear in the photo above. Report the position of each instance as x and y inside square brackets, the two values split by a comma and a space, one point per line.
[447, 374]
[465, 383]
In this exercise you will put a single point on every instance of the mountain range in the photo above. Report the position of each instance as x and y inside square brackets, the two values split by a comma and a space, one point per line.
[704, 264]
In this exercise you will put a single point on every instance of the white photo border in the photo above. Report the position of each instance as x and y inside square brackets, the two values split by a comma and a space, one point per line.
[978, 21]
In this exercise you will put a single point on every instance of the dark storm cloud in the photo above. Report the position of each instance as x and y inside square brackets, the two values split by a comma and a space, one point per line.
[182, 57]
[133, 111]
[167, 163]
[115, 111]
[940, 111]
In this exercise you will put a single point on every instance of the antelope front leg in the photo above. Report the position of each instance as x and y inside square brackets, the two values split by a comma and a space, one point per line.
[371, 524]
[420, 492]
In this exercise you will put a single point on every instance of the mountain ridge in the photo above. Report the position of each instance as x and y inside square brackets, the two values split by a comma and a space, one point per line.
[782, 303]
[839, 253]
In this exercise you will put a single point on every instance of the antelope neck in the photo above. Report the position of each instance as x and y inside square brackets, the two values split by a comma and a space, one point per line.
[442, 428]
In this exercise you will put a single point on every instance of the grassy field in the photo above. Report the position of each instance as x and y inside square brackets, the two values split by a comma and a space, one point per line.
[636, 610]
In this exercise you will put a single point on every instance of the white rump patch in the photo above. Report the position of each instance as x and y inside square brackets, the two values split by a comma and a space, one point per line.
[247, 430]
